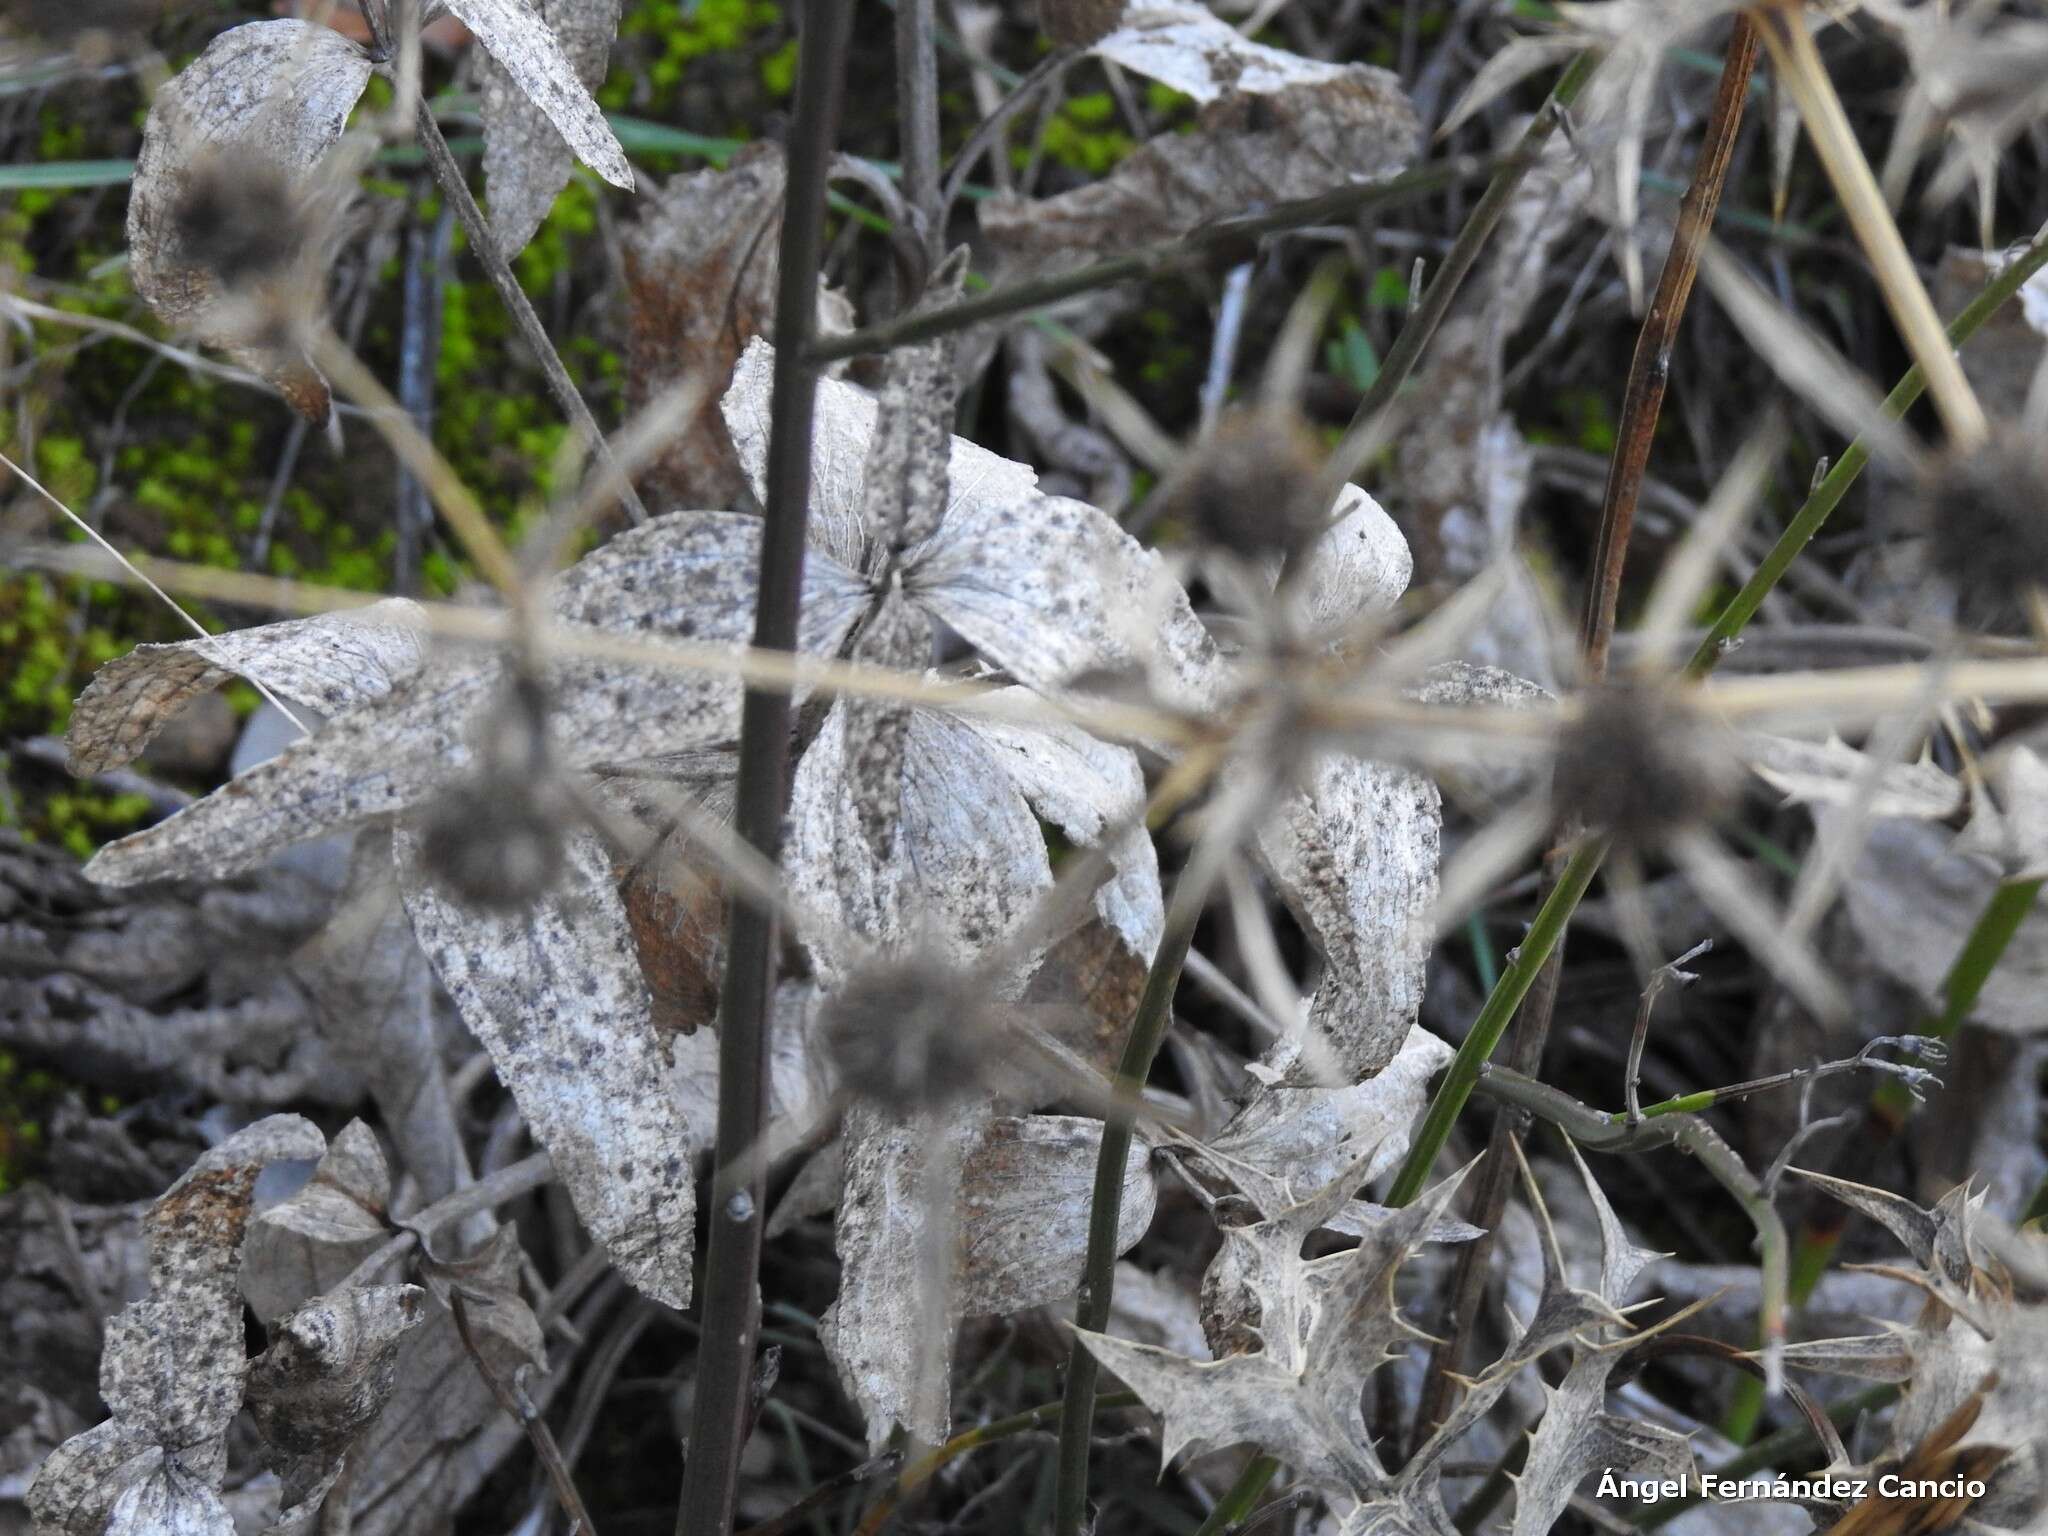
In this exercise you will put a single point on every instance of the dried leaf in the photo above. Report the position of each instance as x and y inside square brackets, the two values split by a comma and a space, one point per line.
[1360, 566]
[1309, 128]
[1835, 773]
[1077, 23]
[700, 269]
[1937, 1237]
[303, 1246]
[845, 427]
[1354, 854]
[507, 1333]
[1288, 1143]
[266, 96]
[329, 663]
[526, 160]
[1576, 1439]
[688, 575]
[1022, 1240]
[556, 996]
[2009, 815]
[1193, 50]
[520, 39]
[170, 1501]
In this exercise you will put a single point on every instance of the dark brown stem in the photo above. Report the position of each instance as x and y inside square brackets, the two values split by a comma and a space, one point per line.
[1641, 405]
[731, 1314]
[484, 246]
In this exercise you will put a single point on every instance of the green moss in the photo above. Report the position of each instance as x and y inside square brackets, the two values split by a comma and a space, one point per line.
[1081, 136]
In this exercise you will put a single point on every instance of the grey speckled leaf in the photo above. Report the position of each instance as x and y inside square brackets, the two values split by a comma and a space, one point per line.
[305, 1245]
[517, 36]
[1354, 854]
[556, 996]
[170, 1501]
[975, 477]
[1834, 773]
[329, 1367]
[329, 663]
[1577, 1439]
[1050, 589]
[969, 861]
[526, 160]
[687, 576]
[1360, 566]
[79, 1481]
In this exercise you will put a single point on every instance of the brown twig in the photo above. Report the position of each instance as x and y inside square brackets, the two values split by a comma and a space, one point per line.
[1642, 402]
[530, 1420]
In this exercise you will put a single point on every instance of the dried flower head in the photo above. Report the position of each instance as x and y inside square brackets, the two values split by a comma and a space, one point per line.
[1079, 23]
[242, 225]
[1638, 762]
[1986, 513]
[1249, 487]
[909, 1037]
[496, 838]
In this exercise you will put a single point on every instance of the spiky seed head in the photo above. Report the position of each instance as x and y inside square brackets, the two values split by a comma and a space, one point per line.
[1639, 761]
[1249, 487]
[1986, 513]
[909, 1037]
[496, 837]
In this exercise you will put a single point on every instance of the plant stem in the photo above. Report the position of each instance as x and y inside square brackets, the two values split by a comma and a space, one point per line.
[1479, 225]
[1091, 1311]
[1237, 1502]
[441, 161]
[917, 116]
[1227, 240]
[732, 1305]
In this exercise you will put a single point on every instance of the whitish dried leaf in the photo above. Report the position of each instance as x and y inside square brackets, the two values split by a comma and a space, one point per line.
[1507, 68]
[555, 994]
[1249, 149]
[1192, 49]
[700, 265]
[1867, 1357]
[526, 159]
[1360, 566]
[268, 96]
[1835, 773]
[79, 1482]
[2009, 815]
[1050, 589]
[170, 1501]
[329, 663]
[1300, 1398]
[965, 862]
[1025, 1191]
[520, 39]
[1288, 1143]
[840, 440]
[307, 1244]
[1354, 855]
[689, 575]
[799, 1085]
[1913, 899]
[1021, 1233]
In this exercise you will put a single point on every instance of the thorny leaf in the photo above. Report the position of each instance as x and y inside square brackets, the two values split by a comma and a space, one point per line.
[1835, 773]
[687, 575]
[1288, 1143]
[519, 38]
[1938, 1238]
[1022, 1240]
[173, 1366]
[328, 1372]
[327, 663]
[304, 1246]
[270, 98]
[1302, 128]
[2009, 815]
[1299, 1398]
[527, 161]
[556, 996]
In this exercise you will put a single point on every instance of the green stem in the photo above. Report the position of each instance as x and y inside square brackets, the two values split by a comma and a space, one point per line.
[1237, 1503]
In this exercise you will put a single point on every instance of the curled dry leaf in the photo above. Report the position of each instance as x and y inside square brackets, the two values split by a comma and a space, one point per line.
[1022, 1238]
[173, 1366]
[1275, 127]
[270, 98]
[527, 160]
[309, 1243]
[688, 575]
[522, 42]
